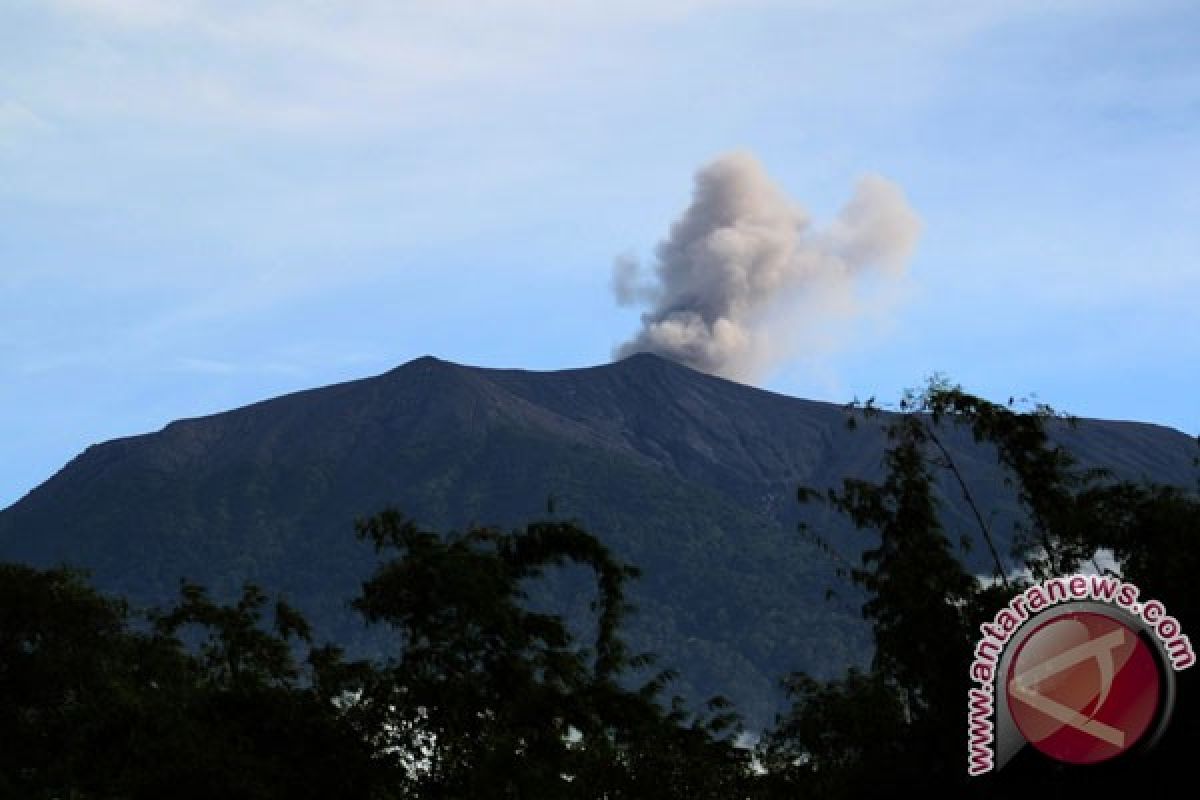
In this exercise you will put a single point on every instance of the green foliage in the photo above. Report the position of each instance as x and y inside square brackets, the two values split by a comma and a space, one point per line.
[490, 691]
[91, 706]
[65, 665]
[237, 652]
[834, 729]
[901, 726]
[487, 698]
[483, 697]
[687, 476]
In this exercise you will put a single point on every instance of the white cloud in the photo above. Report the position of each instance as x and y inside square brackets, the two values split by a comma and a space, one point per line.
[342, 66]
[251, 132]
[318, 66]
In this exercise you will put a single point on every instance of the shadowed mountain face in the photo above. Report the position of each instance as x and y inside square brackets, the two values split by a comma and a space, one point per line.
[690, 477]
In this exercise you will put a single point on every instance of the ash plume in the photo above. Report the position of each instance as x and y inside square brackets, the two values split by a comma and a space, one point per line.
[743, 282]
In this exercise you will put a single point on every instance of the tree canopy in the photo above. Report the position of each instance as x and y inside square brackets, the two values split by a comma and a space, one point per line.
[485, 695]
[901, 726]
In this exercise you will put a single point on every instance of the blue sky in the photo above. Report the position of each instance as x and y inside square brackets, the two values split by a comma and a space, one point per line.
[203, 204]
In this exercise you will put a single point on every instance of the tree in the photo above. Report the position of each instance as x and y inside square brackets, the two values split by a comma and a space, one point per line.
[901, 726]
[257, 724]
[484, 697]
[93, 706]
[68, 668]
[487, 698]
[886, 729]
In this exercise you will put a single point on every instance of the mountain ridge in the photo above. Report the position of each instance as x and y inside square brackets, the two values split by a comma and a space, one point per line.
[691, 477]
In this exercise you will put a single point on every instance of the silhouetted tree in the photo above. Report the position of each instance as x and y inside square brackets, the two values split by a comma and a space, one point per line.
[901, 726]
[488, 698]
[94, 707]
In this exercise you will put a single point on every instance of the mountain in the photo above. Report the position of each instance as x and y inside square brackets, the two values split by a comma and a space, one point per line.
[690, 477]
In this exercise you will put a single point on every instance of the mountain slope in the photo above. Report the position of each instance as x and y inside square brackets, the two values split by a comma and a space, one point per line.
[690, 477]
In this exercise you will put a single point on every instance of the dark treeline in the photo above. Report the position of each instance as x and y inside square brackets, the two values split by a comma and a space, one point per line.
[483, 697]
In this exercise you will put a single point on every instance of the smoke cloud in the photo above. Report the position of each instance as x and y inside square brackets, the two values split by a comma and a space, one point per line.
[743, 282]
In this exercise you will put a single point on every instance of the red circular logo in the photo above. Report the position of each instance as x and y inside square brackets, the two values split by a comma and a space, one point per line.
[1083, 688]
